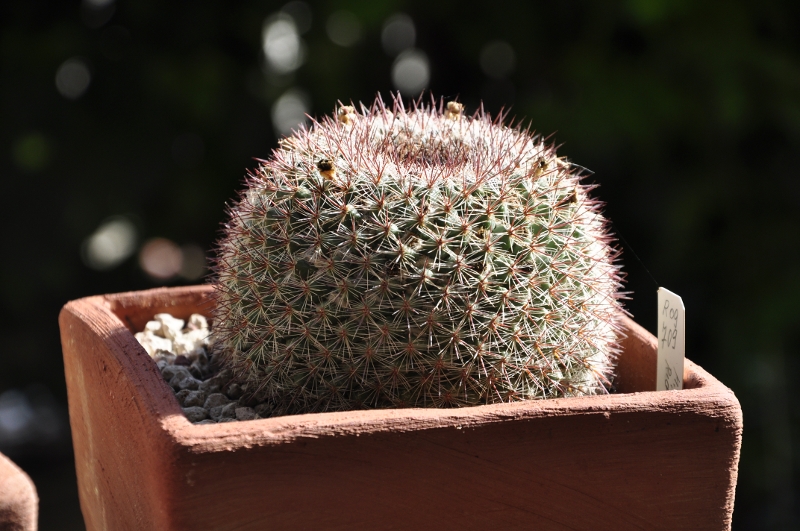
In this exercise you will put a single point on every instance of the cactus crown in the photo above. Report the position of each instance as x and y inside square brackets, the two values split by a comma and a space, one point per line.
[416, 257]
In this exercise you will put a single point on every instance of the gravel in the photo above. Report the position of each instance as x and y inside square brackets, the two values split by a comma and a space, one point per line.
[216, 400]
[227, 411]
[182, 353]
[246, 413]
[194, 398]
[181, 396]
[195, 414]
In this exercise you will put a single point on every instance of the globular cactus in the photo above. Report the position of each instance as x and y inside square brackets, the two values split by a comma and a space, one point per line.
[416, 258]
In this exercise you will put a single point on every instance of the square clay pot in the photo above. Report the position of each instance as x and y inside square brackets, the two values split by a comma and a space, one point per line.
[634, 460]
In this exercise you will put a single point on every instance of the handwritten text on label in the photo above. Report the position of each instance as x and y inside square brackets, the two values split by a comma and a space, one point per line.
[671, 341]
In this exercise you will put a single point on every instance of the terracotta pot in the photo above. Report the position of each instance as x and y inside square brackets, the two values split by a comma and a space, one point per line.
[19, 504]
[635, 460]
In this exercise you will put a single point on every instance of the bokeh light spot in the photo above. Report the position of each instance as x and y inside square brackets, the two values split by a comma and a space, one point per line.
[289, 111]
[112, 242]
[15, 411]
[398, 34]
[161, 258]
[283, 48]
[30, 416]
[73, 78]
[411, 72]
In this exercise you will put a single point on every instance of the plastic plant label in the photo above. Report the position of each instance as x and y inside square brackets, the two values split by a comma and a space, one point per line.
[671, 341]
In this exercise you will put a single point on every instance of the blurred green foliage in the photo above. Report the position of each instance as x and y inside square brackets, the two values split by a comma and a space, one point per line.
[687, 112]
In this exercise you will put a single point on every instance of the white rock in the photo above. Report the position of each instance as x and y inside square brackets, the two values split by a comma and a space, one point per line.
[152, 343]
[197, 321]
[170, 326]
[154, 327]
[200, 336]
[183, 345]
[191, 341]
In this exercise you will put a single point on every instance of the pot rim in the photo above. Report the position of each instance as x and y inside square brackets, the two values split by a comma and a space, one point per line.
[114, 317]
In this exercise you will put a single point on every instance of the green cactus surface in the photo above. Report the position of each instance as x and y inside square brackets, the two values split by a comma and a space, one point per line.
[416, 258]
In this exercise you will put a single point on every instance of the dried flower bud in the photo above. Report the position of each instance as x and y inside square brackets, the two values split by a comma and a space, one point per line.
[326, 168]
[453, 111]
[346, 114]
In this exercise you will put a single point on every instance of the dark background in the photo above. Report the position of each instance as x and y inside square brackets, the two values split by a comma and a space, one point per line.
[687, 112]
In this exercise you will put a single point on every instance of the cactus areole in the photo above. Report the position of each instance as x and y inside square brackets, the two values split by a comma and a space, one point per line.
[416, 258]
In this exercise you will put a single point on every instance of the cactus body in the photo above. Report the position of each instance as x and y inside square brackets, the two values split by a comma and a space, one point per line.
[416, 258]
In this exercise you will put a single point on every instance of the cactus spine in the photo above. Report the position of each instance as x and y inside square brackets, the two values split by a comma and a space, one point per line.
[396, 258]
